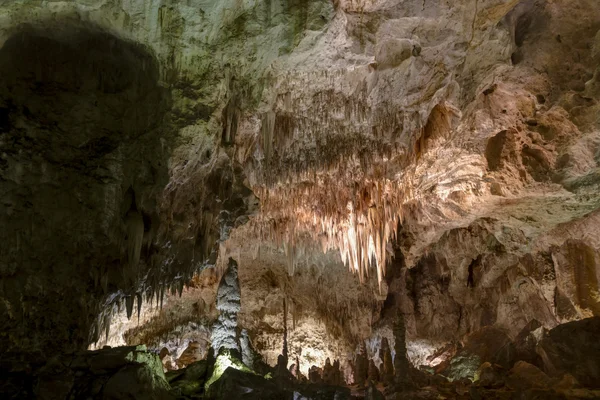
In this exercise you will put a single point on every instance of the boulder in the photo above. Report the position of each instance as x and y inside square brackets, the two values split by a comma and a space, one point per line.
[140, 382]
[488, 344]
[525, 376]
[489, 376]
[573, 348]
[238, 384]
[111, 373]
[189, 381]
[526, 343]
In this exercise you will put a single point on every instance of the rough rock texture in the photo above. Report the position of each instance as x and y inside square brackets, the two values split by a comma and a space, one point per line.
[81, 159]
[446, 152]
[225, 331]
[119, 373]
[573, 348]
[114, 189]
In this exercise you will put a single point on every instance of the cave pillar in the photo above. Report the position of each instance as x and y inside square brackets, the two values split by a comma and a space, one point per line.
[401, 363]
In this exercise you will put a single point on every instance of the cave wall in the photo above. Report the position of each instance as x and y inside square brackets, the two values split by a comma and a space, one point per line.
[104, 104]
[81, 154]
[472, 125]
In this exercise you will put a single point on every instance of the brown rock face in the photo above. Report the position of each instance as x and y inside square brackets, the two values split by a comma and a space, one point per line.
[387, 366]
[573, 348]
[359, 159]
[373, 374]
[526, 376]
[361, 367]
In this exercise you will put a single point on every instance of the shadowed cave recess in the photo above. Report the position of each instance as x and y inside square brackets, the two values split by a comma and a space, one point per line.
[299, 199]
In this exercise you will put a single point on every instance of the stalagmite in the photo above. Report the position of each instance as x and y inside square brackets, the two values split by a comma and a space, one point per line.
[282, 359]
[361, 366]
[401, 363]
[224, 332]
[373, 374]
[285, 333]
[387, 366]
[315, 374]
[299, 373]
[249, 355]
[329, 377]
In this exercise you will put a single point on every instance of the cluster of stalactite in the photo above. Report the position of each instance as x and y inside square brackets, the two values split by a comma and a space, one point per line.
[116, 302]
[147, 272]
[334, 167]
[147, 285]
[359, 223]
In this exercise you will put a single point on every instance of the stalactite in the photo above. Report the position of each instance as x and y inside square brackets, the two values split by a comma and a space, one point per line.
[162, 295]
[325, 172]
[267, 129]
[361, 232]
[139, 305]
[135, 237]
[107, 318]
[104, 283]
[294, 315]
[129, 306]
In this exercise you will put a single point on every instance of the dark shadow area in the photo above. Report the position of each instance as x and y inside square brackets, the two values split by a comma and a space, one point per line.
[80, 118]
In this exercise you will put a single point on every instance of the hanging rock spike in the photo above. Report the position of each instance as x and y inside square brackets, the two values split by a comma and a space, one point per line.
[162, 295]
[129, 306]
[139, 305]
[180, 287]
[107, 324]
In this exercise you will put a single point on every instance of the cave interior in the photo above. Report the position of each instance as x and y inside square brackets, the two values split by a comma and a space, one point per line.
[299, 199]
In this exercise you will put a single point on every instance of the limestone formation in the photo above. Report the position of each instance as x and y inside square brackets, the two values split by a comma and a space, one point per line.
[373, 374]
[423, 172]
[361, 366]
[387, 366]
[225, 331]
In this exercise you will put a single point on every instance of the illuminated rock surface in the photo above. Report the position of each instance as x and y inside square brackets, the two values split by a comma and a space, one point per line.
[387, 169]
